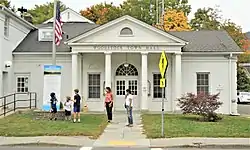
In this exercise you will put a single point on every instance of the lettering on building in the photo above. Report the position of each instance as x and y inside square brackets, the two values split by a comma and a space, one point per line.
[125, 47]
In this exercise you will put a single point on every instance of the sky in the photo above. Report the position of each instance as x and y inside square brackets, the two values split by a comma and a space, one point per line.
[230, 9]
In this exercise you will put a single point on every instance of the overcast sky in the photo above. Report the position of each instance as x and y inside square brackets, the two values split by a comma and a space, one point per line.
[236, 10]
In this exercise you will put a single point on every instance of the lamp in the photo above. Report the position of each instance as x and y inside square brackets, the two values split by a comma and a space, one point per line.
[126, 64]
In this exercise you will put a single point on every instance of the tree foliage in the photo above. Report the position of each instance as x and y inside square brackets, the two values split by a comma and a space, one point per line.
[5, 3]
[202, 104]
[41, 13]
[239, 37]
[140, 9]
[175, 20]
[210, 19]
[206, 18]
[243, 81]
[102, 13]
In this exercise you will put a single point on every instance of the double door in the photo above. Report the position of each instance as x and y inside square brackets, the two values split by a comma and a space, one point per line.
[121, 86]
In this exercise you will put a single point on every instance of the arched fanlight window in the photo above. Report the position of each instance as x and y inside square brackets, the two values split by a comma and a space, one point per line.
[126, 70]
[126, 31]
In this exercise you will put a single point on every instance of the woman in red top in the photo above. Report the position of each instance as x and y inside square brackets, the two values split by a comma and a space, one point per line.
[109, 103]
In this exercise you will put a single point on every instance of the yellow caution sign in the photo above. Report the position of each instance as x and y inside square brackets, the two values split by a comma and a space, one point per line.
[163, 64]
[162, 83]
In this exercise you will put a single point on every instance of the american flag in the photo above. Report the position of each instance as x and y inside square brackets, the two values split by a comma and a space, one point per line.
[58, 25]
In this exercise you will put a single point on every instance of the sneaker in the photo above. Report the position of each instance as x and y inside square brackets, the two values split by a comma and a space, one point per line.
[74, 120]
[79, 120]
[55, 119]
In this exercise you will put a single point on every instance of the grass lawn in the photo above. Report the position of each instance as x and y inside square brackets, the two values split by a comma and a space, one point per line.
[24, 125]
[189, 126]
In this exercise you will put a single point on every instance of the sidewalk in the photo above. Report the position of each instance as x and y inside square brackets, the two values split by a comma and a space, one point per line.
[117, 134]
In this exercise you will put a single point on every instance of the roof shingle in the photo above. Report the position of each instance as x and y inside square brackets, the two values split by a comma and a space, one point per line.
[199, 41]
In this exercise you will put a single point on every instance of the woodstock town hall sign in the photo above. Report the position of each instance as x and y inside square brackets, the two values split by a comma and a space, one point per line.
[125, 47]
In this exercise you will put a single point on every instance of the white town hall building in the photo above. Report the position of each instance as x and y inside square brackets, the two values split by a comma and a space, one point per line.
[125, 53]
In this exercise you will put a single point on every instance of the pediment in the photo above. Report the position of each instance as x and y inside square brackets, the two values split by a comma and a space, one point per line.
[118, 31]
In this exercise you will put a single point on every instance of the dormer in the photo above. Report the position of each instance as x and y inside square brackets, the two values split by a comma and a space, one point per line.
[70, 15]
[45, 34]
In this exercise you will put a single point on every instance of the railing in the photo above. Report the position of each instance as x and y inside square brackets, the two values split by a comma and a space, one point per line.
[12, 102]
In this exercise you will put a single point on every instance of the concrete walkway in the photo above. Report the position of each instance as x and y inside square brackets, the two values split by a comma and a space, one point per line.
[117, 134]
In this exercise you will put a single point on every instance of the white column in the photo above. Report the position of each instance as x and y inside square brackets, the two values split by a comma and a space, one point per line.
[82, 72]
[108, 76]
[74, 71]
[234, 110]
[144, 81]
[178, 77]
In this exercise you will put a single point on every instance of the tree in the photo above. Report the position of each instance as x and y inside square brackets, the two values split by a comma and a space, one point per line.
[44, 12]
[239, 37]
[206, 18]
[102, 13]
[5, 3]
[243, 81]
[209, 19]
[146, 10]
[175, 21]
[140, 9]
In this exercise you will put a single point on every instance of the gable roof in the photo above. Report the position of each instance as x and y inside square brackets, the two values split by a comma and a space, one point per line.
[208, 41]
[80, 18]
[132, 19]
[16, 17]
[31, 43]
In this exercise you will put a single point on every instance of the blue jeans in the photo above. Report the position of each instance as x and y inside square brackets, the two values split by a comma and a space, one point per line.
[129, 113]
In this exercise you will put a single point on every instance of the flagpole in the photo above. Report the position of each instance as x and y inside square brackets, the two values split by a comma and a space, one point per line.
[54, 37]
[163, 11]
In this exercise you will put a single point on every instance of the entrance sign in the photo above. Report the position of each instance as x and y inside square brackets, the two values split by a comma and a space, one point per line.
[162, 83]
[163, 66]
[52, 83]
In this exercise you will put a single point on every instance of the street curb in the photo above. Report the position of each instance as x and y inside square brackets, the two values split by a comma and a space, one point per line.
[41, 144]
[217, 146]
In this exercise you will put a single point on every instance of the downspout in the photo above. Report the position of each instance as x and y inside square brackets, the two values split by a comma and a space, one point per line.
[230, 83]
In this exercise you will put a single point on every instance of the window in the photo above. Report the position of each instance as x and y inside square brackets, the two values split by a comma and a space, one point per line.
[45, 34]
[126, 70]
[156, 84]
[94, 85]
[6, 26]
[126, 31]
[203, 82]
[22, 84]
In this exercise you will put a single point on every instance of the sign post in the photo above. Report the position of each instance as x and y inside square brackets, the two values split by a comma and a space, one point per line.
[163, 65]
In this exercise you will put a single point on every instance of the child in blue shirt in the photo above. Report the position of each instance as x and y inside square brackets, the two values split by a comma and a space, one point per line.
[53, 102]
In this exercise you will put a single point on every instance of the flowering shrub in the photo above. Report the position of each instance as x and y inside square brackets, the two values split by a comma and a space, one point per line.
[202, 104]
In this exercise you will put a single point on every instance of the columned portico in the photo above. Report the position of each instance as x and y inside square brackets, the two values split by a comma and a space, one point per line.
[144, 80]
[108, 71]
[74, 71]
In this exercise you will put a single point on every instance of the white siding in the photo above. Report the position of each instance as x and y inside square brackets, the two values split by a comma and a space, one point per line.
[17, 33]
[33, 65]
[217, 66]
[94, 63]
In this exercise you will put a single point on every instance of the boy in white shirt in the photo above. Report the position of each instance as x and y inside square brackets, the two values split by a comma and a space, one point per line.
[68, 108]
[129, 107]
